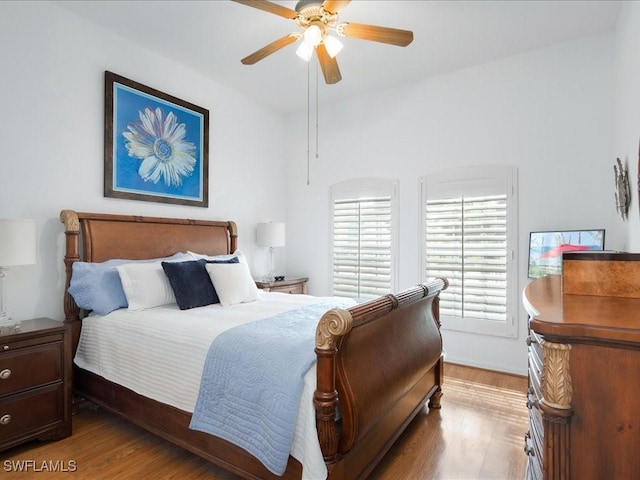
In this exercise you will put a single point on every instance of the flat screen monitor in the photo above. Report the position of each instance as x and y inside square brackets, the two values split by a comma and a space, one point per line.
[546, 248]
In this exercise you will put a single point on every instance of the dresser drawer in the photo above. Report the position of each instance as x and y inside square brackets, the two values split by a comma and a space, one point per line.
[535, 363]
[297, 289]
[31, 412]
[535, 377]
[534, 470]
[30, 367]
[534, 445]
[537, 433]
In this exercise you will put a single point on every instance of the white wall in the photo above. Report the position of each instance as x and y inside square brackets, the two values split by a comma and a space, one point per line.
[51, 141]
[627, 103]
[549, 113]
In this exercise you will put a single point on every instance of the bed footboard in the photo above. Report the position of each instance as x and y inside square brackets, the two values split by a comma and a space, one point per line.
[378, 364]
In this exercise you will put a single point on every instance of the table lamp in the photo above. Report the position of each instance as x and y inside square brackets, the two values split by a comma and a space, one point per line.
[271, 234]
[17, 247]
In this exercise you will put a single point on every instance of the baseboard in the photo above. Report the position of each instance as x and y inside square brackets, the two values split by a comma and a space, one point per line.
[487, 366]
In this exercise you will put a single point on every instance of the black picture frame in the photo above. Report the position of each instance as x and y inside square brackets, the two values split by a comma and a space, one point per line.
[156, 146]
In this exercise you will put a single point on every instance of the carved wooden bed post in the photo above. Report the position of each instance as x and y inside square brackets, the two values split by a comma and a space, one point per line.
[233, 237]
[72, 233]
[333, 325]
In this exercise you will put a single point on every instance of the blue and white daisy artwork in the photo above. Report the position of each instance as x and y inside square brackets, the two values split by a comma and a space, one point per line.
[159, 148]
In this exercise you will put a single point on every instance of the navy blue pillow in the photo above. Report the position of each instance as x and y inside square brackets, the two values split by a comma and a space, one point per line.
[191, 283]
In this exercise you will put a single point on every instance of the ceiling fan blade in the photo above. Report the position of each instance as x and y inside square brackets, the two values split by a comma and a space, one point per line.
[335, 6]
[329, 65]
[269, 49]
[270, 7]
[393, 36]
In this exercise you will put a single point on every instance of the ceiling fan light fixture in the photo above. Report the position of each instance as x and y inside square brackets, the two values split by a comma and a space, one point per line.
[313, 35]
[315, 19]
[304, 51]
[333, 45]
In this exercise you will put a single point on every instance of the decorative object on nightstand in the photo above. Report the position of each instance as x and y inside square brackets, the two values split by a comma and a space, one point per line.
[288, 285]
[35, 382]
[17, 247]
[272, 235]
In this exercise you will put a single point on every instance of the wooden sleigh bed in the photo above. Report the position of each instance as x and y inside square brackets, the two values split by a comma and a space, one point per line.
[378, 362]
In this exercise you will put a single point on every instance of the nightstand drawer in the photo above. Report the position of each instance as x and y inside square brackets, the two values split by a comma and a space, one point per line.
[12, 345]
[27, 413]
[30, 367]
[293, 289]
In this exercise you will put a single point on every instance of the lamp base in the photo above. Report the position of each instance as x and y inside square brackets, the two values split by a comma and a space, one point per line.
[271, 274]
[8, 323]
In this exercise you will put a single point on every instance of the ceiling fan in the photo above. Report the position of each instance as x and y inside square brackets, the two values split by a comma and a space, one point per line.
[316, 19]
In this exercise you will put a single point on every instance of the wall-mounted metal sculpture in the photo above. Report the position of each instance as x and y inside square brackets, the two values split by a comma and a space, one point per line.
[623, 190]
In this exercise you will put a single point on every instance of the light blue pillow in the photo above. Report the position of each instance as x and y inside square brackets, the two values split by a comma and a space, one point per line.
[97, 286]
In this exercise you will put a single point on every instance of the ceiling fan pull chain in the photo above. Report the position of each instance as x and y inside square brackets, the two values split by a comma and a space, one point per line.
[308, 123]
[317, 114]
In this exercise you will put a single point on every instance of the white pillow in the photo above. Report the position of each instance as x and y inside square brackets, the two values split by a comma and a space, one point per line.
[145, 285]
[233, 283]
[229, 256]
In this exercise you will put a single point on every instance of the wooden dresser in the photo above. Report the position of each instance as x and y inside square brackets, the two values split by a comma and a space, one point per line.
[584, 369]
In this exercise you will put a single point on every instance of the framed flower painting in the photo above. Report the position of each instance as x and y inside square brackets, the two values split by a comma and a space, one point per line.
[156, 146]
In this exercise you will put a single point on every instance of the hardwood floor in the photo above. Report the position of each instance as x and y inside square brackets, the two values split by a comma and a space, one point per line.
[478, 434]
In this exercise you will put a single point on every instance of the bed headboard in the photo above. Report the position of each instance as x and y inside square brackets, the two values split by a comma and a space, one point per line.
[96, 237]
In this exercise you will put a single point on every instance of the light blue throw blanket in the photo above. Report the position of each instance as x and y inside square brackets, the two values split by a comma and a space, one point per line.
[252, 382]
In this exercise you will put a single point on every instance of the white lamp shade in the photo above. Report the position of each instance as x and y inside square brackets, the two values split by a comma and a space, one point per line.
[271, 234]
[17, 242]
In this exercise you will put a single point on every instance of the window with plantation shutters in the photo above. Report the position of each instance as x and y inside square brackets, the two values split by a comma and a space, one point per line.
[469, 239]
[363, 238]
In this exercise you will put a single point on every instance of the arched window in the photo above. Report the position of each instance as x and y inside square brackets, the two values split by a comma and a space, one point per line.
[470, 238]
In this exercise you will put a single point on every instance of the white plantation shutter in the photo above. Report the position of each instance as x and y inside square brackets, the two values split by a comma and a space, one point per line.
[362, 238]
[470, 228]
[466, 242]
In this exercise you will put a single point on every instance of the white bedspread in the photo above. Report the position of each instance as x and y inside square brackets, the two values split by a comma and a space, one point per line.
[160, 353]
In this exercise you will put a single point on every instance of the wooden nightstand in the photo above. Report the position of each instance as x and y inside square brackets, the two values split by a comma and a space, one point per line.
[35, 382]
[288, 285]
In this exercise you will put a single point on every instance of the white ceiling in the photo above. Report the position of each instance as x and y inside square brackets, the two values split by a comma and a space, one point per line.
[212, 36]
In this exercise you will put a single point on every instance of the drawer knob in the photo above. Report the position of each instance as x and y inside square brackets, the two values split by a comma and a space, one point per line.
[5, 419]
[6, 347]
[4, 374]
